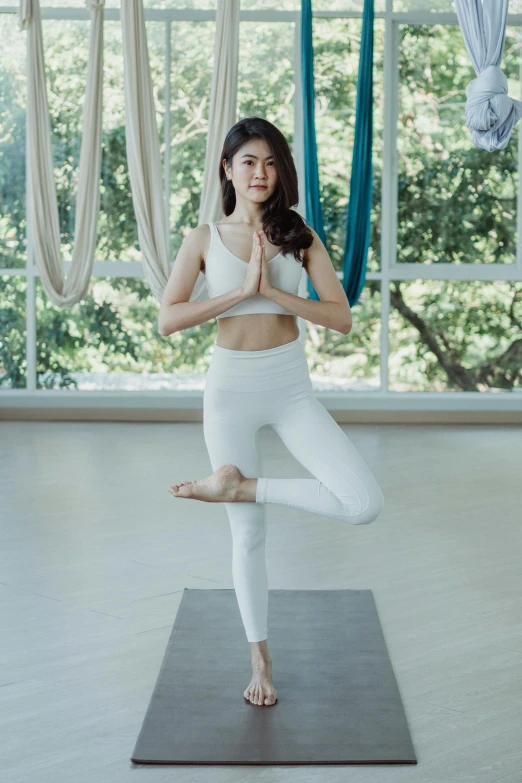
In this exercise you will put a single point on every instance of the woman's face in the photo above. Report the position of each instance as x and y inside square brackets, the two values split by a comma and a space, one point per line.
[253, 165]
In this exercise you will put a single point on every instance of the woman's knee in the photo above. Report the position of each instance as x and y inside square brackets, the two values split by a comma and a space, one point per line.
[371, 511]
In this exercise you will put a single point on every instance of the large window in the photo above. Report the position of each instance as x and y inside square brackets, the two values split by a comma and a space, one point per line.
[441, 310]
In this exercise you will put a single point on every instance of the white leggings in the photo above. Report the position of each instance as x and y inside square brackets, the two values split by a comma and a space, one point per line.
[244, 391]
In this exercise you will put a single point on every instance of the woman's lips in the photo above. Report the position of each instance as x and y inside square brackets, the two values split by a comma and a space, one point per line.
[260, 187]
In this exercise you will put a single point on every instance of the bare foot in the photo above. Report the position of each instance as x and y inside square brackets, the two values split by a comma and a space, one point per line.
[260, 689]
[226, 484]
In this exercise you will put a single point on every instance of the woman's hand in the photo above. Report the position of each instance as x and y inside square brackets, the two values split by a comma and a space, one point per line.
[265, 287]
[251, 282]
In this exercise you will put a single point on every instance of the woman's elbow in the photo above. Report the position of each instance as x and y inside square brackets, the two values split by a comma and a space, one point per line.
[164, 328]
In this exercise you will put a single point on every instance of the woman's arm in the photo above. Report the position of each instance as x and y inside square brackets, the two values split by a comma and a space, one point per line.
[183, 315]
[331, 314]
[176, 311]
[333, 309]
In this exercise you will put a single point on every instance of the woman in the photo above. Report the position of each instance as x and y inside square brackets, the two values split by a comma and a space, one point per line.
[258, 373]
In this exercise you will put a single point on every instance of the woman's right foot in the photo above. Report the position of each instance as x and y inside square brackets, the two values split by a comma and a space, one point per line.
[261, 690]
[226, 484]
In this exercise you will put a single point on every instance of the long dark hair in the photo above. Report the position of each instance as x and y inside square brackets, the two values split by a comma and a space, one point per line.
[283, 226]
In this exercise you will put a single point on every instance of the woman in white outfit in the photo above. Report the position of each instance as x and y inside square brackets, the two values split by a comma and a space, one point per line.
[258, 374]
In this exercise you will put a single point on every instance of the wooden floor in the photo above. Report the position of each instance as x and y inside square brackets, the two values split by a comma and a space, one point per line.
[95, 554]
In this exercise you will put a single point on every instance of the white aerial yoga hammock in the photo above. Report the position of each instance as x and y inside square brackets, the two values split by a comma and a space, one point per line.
[222, 115]
[490, 113]
[42, 207]
[143, 150]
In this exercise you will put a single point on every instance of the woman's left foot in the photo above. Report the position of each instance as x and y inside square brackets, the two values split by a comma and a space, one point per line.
[261, 689]
[224, 485]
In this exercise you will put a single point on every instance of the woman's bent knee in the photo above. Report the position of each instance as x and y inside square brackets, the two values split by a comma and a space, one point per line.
[371, 512]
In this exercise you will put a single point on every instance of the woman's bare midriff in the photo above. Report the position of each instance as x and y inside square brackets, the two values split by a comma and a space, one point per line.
[257, 331]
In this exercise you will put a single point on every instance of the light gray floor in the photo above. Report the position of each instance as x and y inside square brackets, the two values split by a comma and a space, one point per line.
[95, 554]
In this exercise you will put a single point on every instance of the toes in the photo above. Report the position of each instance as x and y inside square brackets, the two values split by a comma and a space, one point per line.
[176, 487]
[256, 695]
[185, 489]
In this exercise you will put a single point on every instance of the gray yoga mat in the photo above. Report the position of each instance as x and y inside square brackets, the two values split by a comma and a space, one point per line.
[338, 699]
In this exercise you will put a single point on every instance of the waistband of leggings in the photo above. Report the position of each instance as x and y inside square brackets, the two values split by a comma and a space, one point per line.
[279, 349]
[258, 371]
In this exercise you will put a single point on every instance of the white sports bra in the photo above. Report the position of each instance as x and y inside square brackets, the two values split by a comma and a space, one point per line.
[225, 271]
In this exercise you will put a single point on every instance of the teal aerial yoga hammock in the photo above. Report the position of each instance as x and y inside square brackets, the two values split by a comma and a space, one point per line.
[357, 236]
